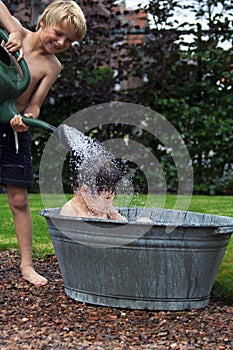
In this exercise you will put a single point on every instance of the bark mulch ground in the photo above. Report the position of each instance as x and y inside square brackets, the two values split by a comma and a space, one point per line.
[45, 318]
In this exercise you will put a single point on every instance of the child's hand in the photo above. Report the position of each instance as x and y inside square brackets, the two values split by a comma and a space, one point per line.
[17, 124]
[14, 43]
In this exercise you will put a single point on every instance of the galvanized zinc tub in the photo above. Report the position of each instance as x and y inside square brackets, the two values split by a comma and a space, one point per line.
[159, 266]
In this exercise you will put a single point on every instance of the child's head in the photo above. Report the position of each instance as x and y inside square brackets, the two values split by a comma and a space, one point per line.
[100, 175]
[61, 10]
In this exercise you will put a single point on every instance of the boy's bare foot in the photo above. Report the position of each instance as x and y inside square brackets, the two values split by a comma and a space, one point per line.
[30, 275]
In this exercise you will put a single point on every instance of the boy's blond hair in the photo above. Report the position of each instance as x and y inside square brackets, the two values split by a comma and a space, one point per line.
[61, 10]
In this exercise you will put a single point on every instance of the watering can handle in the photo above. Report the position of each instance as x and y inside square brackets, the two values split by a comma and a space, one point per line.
[8, 110]
[38, 124]
[23, 65]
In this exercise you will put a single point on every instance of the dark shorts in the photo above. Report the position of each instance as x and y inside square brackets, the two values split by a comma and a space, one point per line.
[15, 168]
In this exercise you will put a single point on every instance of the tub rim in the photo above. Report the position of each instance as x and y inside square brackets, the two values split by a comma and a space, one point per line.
[52, 213]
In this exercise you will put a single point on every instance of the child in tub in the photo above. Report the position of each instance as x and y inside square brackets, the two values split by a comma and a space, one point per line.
[94, 191]
[61, 23]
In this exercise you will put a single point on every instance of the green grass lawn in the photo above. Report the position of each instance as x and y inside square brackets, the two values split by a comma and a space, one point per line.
[42, 245]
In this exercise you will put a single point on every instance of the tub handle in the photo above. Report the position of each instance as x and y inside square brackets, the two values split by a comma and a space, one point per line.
[224, 229]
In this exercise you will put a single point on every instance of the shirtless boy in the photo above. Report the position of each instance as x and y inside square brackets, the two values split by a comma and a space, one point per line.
[94, 192]
[61, 23]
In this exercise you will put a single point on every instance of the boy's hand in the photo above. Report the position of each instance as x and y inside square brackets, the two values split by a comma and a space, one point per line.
[14, 43]
[17, 124]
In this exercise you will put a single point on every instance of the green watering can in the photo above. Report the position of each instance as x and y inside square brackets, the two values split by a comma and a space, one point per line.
[12, 85]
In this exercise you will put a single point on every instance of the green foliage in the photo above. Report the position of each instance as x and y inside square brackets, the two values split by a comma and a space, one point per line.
[192, 87]
[182, 70]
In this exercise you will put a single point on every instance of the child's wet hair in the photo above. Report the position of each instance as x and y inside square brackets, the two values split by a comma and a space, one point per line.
[108, 177]
[99, 175]
[61, 10]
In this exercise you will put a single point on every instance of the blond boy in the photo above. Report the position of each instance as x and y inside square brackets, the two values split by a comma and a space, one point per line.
[61, 23]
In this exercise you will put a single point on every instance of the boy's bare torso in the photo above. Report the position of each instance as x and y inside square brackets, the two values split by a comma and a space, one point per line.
[43, 67]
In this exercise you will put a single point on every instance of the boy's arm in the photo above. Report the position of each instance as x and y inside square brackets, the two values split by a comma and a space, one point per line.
[36, 101]
[66, 210]
[13, 28]
[113, 214]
